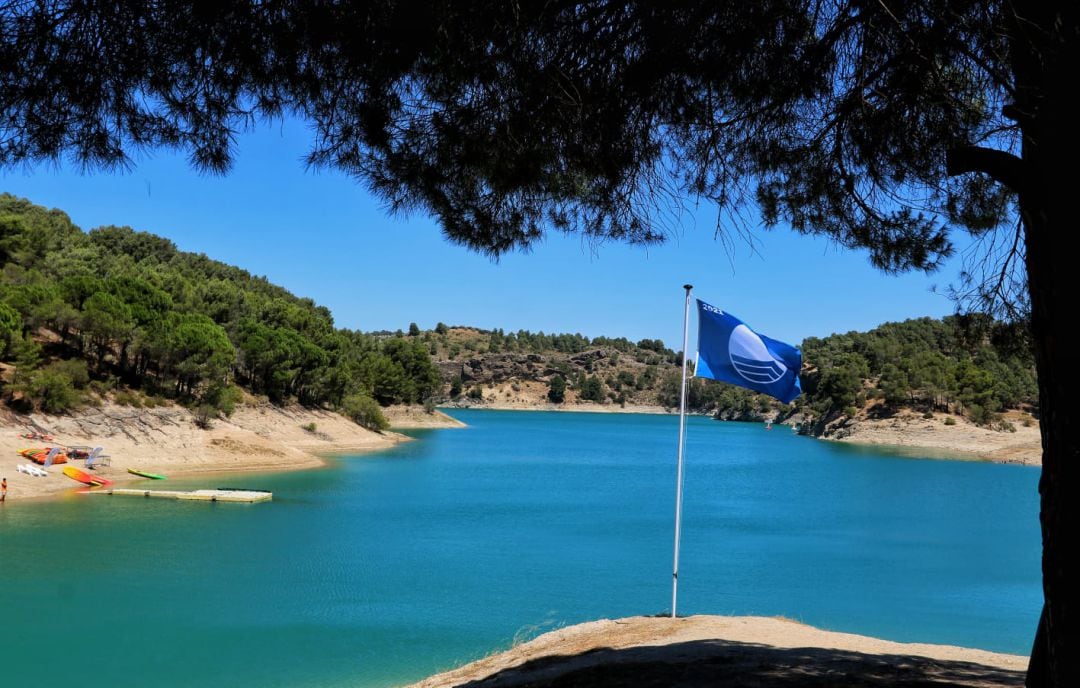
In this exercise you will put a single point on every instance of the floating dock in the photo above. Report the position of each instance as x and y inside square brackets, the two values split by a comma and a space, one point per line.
[196, 495]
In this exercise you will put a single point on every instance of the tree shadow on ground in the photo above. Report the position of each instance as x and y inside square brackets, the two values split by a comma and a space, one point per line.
[723, 664]
[882, 412]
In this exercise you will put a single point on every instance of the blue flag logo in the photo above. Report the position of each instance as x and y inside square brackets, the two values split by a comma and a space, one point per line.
[729, 351]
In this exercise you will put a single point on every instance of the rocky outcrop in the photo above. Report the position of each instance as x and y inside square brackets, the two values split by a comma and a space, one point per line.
[496, 368]
[521, 377]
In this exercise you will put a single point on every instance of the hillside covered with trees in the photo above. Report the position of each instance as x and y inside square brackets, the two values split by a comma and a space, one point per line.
[123, 314]
[969, 365]
[966, 365]
[118, 313]
[525, 368]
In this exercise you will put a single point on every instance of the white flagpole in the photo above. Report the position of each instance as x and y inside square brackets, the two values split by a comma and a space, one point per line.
[682, 442]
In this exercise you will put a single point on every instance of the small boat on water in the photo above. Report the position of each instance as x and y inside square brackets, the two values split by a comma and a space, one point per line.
[145, 474]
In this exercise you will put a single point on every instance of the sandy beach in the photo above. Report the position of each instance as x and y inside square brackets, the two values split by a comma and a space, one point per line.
[964, 440]
[414, 417]
[165, 440]
[907, 429]
[743, 651]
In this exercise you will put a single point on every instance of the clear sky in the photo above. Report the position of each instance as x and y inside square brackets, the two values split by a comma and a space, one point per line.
[322, 235]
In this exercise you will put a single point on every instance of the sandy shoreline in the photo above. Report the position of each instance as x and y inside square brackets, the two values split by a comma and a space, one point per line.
[564, 407]
[262, 437]
[165, 440]
[727, 651]
[907, 430]
[416, 418]
[963, 440]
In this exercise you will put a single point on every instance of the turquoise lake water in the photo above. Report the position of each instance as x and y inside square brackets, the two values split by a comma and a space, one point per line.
[382, 569]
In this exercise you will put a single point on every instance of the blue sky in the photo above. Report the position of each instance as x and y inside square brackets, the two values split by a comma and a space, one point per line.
[320, 234]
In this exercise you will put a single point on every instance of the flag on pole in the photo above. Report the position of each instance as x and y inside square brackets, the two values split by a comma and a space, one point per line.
[729, 351]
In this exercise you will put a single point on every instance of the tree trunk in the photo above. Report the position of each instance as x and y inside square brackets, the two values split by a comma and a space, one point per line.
[1048, 209]
[1054, 293]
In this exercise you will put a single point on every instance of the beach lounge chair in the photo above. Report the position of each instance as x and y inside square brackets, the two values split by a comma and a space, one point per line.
[96, 458]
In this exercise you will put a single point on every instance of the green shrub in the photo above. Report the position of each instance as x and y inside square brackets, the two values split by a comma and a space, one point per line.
[310, 427]
[10, 325]
[204, 416]
[364, 411]
[223, 398]
[476, 393]
[949, 420]
[53, 390]
[981, 415]
[128, 398]
[557, 389]
[103, 387]
[75, 369]
[592, 389]
[928, 415]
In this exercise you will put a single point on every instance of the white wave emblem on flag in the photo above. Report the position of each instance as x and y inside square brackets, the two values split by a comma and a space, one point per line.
[751, 359]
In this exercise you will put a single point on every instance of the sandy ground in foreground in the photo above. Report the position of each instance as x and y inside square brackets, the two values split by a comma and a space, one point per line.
[963, 440]
[740, 651]
[165, 440]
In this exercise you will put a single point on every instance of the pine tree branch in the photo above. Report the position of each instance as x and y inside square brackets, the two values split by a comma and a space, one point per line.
[1002, 167]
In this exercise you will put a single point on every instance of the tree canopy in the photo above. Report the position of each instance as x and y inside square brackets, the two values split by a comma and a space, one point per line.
[178, 324]
[507, 119]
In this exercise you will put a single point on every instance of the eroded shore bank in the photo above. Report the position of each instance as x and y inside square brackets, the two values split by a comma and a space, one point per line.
[166, 440]
[718, 651]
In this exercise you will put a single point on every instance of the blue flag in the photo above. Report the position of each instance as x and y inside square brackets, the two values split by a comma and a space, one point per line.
[729, 351]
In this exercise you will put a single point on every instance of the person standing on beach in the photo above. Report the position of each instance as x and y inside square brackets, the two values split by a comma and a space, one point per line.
[3, 490]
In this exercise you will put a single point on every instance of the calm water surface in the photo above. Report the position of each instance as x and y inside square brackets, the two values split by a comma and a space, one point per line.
[384, 568]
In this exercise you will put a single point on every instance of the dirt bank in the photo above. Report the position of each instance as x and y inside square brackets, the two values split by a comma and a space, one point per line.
[258, 437]
[718, 651]
[962, 440]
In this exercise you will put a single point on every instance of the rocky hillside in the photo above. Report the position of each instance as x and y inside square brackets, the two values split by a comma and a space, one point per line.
[969, 367]
[524, 369]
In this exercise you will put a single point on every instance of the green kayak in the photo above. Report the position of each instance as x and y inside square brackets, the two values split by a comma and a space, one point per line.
[144, 474]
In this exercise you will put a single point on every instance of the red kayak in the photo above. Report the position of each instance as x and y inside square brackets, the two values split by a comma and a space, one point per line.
[86, 478]
[39, 455]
